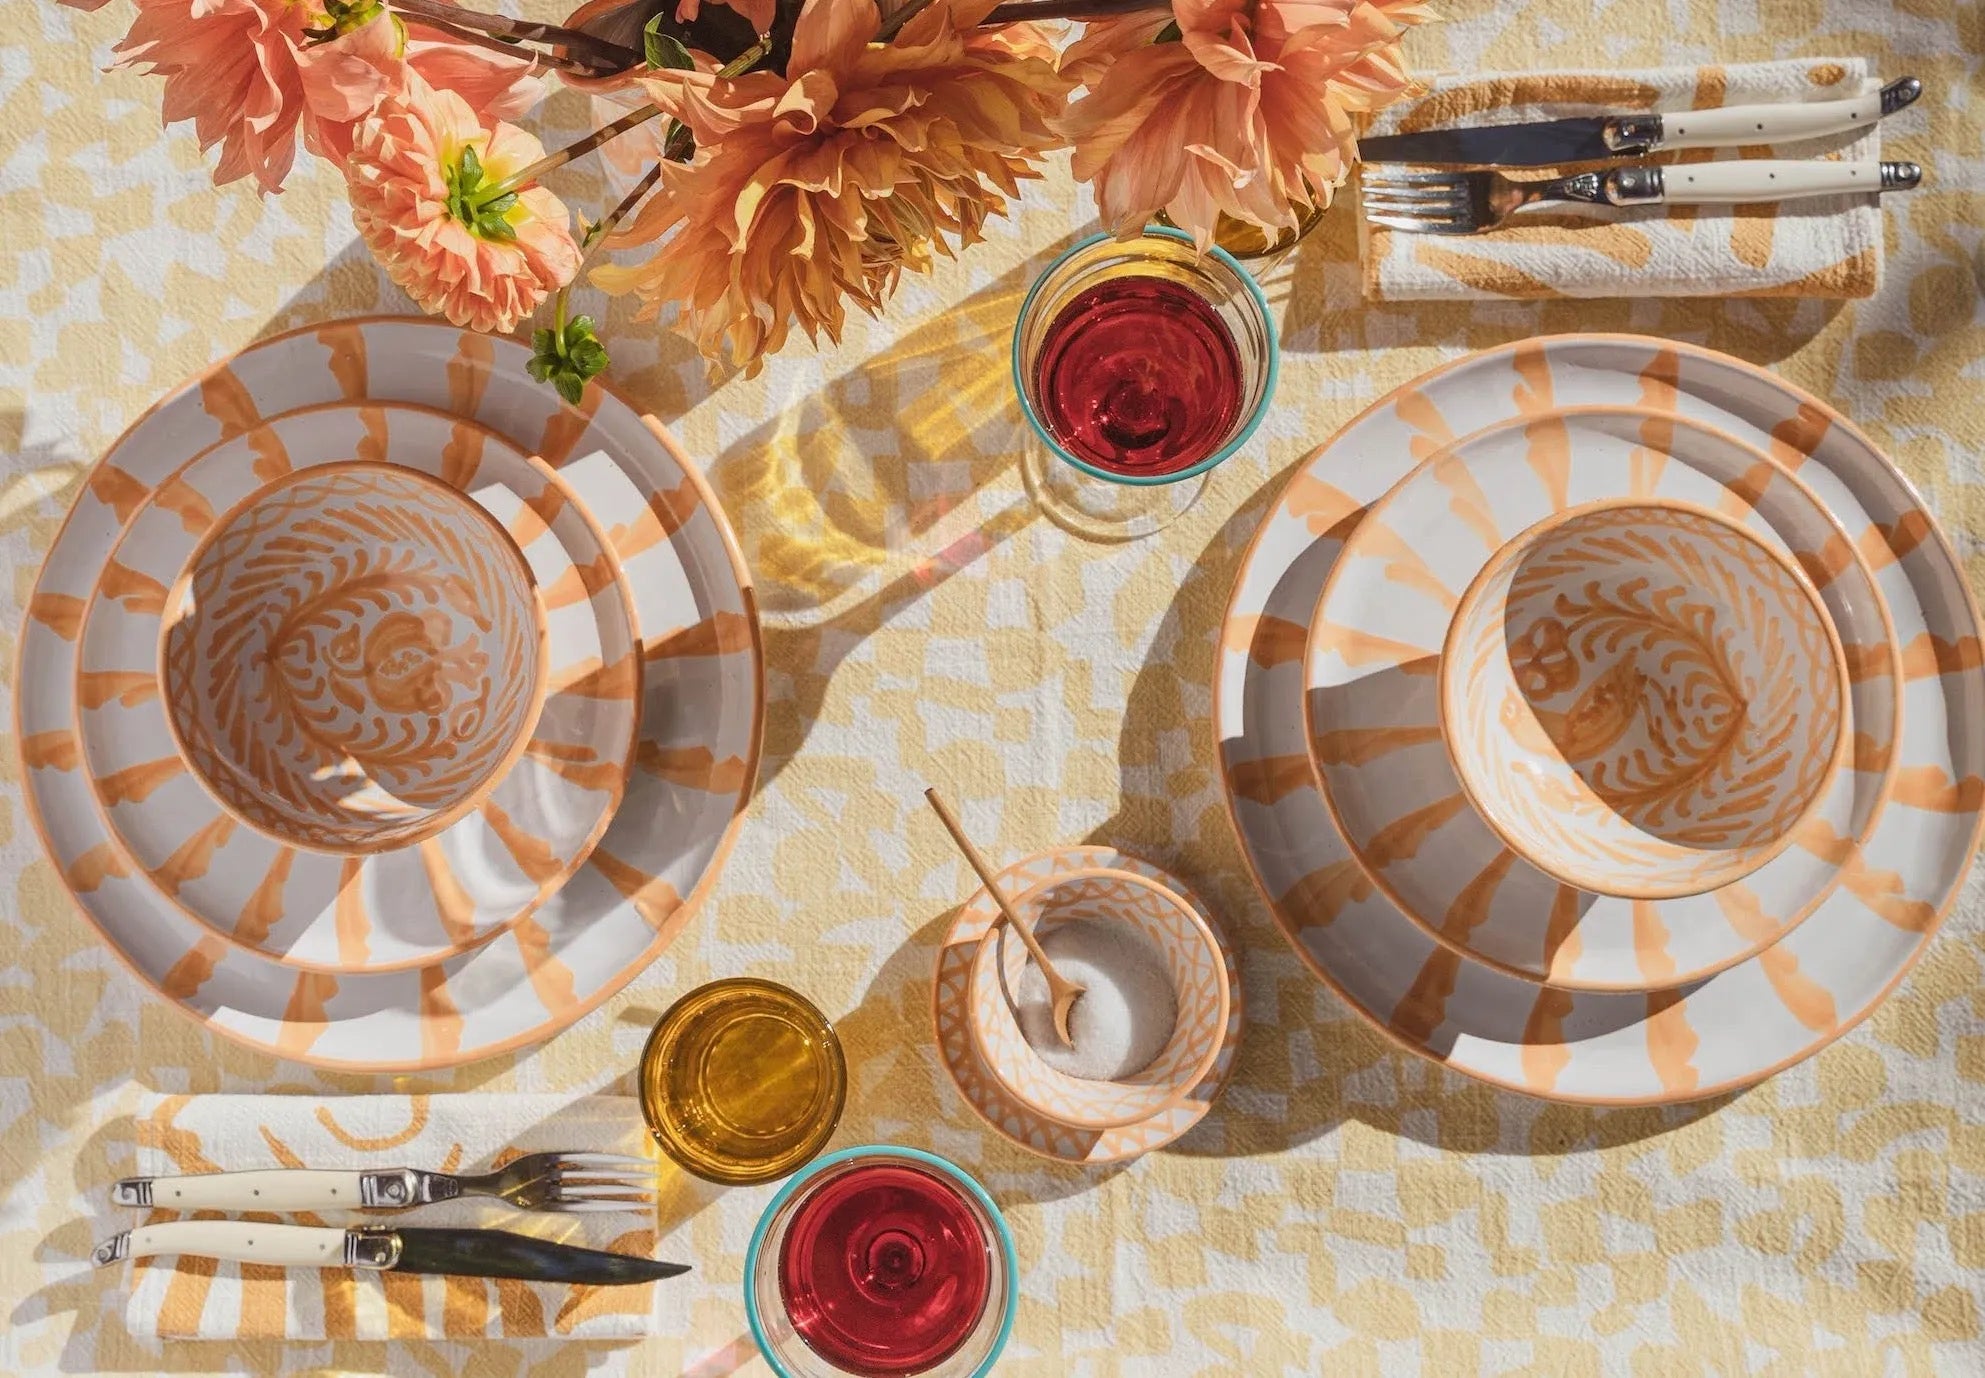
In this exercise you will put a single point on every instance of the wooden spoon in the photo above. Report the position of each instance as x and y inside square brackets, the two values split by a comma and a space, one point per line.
[1061, 990]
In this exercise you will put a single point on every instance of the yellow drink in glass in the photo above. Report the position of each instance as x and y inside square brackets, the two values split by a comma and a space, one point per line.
[742, 1081]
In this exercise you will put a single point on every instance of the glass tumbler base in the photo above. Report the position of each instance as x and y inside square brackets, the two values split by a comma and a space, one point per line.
[1098, 510]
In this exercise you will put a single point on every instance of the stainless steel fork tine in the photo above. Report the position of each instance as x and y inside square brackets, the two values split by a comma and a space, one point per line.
[630, 1207]
[587, 1191]
[1415, 195]
[1418, 225]
[626, 1160]
[565, 1180]
[1438, 210]
[1410, 179]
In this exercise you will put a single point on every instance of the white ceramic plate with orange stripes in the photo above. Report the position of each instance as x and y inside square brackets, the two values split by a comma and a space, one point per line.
[1744, 1023]
[395, 908]
[951, 1001]
[1375, 735]
[701, 719]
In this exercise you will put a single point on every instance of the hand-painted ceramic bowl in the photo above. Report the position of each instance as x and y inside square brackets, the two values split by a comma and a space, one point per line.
[1642, 698]
[353, 657]
[1174, 933]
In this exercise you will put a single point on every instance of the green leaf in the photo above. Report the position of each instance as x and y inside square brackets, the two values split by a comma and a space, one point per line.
[665, 50]
[471, 168]
[495, 227]
[540, 367]
[571, 387]
[500, 204]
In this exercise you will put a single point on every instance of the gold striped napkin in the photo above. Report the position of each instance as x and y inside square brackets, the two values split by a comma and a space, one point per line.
[193, 1298]
[1826, 247]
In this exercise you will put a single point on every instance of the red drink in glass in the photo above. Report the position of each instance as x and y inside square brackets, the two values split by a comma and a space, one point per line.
[1138, 375]
[885, 1269]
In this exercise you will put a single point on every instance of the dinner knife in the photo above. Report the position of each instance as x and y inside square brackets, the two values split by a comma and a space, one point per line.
[1587, 138]
[376, 1248]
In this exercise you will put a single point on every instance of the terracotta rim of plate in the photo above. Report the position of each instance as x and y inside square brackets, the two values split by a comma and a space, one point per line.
[1374, 873]
[1230, 961]
[442, 819]
[616, 791]
[1185, 1084]
[1933, 531]
[1520, 545]
[684, 912]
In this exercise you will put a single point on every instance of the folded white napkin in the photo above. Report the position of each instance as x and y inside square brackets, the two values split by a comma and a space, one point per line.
[1825, 247]
[192, 1298]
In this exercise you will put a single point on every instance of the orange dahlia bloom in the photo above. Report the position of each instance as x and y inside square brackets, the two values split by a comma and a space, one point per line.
[822, 185]
[424, 173]
[1250, 112]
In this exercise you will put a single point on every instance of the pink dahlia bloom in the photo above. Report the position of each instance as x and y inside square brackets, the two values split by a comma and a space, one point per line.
[251, 78]
[423, 173]
[1250, 113]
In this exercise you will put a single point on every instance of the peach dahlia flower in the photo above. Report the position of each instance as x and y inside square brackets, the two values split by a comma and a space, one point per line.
[419, 164]
[1250, 112]
[825, 183]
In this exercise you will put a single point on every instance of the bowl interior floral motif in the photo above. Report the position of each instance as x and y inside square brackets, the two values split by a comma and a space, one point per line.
[1192, 960]
[353, 657]
[1642, 698]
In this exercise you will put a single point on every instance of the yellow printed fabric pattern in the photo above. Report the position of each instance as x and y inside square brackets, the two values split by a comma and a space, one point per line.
[1345, 1207]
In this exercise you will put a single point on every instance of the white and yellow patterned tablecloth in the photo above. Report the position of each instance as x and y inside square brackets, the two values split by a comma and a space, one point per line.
[1347, 1208]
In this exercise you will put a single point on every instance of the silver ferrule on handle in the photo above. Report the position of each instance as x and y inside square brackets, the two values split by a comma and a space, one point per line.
[372, 1246]
[1627, 134]
[1621, 186]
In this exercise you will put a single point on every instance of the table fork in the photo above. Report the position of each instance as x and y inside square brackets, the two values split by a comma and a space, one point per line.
[534, 1182]
[1471, 202]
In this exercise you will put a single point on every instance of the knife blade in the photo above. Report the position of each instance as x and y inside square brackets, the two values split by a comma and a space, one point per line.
[1591, 138]
[457, 1252]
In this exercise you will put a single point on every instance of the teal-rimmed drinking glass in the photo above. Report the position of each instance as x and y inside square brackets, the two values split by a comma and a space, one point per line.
[1096, 502]
[771, 1327]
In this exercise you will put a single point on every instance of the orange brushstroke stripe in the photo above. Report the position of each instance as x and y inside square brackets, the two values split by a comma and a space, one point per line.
[1548, 454]
[1867, 662]
[183, 979]
[1868, 755]
[372, 446]
[186, 502]
[469, 373]
[579, 764]
[1319, 897]
[452, 904]
[588, 679]
[1267, 640]
[1404, 564]
[226, 398]
[1644, 469]
[1817, 836]
[1562, 944]
[1660, 384]
[1400, 840]
[304, 1019]
[118, 491]
[1424, 1006]
[1323, 508]
[345, 341]
[271, 459]
[260, 914]
[1794, 439]
[349, 918]
[1884, 893]
[1532, 396]
[1417, 410]
[1829, 562]
[194, 856]
[137, 591]
[1269, 779]
[56, 750]
[654, 899]
[128, 688]
[1471, 906]
[1650, 942]
[134, 784]
[692, 767]
[533, 856]
[461, 457]
[1931, 655]
[1671, 1043]
[565, 426]
[94, 867]
[578, 583]
[1545, 1056]
[440, 1021]
[418, 1109]
[1468, 502]
[58, 612]
[721, 633]
[1360, 746]
[1357, 647]
[550, 978]
[1929, 787]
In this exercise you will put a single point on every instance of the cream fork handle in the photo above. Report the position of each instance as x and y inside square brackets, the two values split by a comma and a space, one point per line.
[274, 1189]
[1751, 179]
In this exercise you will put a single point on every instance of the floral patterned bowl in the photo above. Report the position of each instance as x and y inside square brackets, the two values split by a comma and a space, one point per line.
[1642, 698]
[353, 657]
[1191, 956]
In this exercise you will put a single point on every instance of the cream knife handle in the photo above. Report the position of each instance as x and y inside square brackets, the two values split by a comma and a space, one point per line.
[276, 1189]
[1733, 125]
[243, 1241]
[1751, 179]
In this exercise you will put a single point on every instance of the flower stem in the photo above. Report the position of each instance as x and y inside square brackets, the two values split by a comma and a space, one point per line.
[612, 56]
[558, 62]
